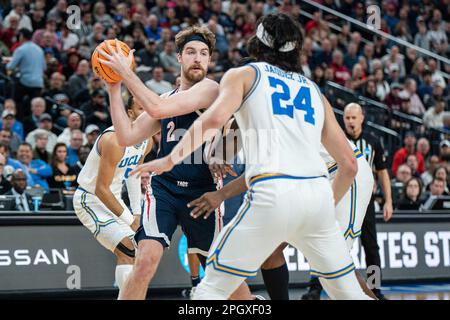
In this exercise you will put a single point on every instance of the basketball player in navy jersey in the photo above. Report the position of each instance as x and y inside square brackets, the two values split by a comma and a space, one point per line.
[166, 201]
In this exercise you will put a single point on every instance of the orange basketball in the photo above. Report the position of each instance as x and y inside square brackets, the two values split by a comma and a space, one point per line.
[103, 71]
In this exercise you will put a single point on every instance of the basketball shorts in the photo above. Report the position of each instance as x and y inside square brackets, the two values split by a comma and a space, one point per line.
[351, 210]
[107, 228]
[280, 208]
[165, 207]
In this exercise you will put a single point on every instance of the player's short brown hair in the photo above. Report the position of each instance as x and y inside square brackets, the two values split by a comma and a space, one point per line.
[184, 35]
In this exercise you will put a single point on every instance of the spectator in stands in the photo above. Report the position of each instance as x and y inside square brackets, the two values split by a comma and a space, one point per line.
[19, 12]
[404, 173]
[370, 90]
[427, 176]
[64, 176]
[394, 58]
[37, 169]
[5, 186]
[437, 189]
[40, 148]
[351, 57]
[421, 38]
[417, 107]
[96, 111]
[426, 87]
[30, 62]
[69, 39]
[393, 100]
[153, 30]
[79, 80]
[169, 59]
[325, 56]
[437, 94]
[58, 12]
[340, 72]
[409, 148]
[383, 88]
[83, 154]
[50, 27]
[76, 141]
[148, 56]
[437, 37]
[8, 119]
[92, 132]
[442, 173]
[394, 74]
[358, 79]
[31, 122]
[166, 36]
[412, 162]
[45, 125]
[444, 151]
[412, 192]
[423, 146]
[24, 202]
[5, 137]
[434, 117]
[11, 163]
[157, 84]
[436, 74]
[74, 123]
[17, 126]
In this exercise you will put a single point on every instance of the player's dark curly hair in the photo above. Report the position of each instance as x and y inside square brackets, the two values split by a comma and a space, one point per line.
[282, 28]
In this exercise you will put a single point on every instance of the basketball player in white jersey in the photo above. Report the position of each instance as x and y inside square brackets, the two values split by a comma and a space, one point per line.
[290, 199]
[97, 201]
[350, 213]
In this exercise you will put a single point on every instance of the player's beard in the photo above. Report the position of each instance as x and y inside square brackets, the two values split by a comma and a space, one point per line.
[195, 77]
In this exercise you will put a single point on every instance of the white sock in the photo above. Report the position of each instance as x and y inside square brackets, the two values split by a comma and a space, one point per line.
[122, 272]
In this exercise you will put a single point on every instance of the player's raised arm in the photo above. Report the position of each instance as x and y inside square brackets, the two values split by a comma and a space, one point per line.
[199, 96]
[334, 140]
[232, 88]
[111, 153]
[129, 132]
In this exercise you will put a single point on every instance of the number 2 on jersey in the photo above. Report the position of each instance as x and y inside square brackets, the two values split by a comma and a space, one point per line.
[302, 100]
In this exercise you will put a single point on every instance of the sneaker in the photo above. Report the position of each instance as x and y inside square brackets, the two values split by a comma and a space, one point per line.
[312, 294]
[380, 296]
[258, 297]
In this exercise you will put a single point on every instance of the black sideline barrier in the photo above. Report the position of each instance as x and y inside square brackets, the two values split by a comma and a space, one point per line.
[53, 252]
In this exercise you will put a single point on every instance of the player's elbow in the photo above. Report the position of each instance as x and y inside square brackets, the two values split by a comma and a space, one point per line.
[124, 140]
[156, 111]
[101, 191]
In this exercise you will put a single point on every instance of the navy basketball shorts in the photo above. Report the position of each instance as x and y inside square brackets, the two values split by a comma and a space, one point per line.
[165, 207]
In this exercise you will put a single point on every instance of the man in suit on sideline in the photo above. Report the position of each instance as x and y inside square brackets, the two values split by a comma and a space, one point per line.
[24, 201]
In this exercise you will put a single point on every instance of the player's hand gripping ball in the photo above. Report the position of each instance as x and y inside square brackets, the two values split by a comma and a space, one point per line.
[103, 71]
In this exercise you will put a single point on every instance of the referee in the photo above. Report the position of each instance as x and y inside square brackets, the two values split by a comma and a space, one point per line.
[372, 150]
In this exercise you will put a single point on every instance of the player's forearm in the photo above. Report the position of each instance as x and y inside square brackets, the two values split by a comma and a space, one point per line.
[121, 121]
[150, 101]
[385, 182]
[235, 187]
[203, 129]
[109, 200]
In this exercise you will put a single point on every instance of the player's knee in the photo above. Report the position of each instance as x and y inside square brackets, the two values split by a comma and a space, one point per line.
[147, 261]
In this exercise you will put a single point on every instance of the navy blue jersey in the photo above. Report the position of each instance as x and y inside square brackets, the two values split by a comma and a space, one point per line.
[193, 171]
